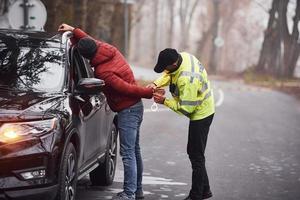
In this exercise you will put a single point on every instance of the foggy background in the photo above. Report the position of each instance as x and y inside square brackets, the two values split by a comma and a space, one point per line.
[260, 36]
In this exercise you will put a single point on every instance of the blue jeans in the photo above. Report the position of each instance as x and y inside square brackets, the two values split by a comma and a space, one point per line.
[129, 122]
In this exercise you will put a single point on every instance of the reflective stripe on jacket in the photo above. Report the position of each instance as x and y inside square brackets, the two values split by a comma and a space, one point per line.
[192, 95]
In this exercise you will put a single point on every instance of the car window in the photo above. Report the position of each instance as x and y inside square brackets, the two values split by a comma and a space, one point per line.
[80, 68]
[31, 65]
[90, 69]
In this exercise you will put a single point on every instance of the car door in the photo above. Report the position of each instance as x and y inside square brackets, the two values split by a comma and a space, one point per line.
[92, 112]
[105, 115]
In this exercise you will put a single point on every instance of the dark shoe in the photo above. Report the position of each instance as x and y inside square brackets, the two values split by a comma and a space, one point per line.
[207, 195]
[123, 196]
[204, 196]
[139, 194]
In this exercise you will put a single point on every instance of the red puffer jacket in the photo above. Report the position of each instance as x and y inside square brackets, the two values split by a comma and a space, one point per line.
[120, 87]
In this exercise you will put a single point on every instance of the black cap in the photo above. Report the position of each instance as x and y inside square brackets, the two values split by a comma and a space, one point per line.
[166, 57]
[87, 47]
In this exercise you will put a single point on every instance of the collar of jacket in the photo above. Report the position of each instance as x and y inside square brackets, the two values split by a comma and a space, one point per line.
[102, 55]
[178, 64]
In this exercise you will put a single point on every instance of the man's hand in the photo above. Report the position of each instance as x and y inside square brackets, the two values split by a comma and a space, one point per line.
[65, 27]
[158, 98]
[160, 91]
[151, 85]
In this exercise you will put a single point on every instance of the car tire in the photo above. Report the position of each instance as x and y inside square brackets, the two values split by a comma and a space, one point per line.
[68, 174]
[104, 174]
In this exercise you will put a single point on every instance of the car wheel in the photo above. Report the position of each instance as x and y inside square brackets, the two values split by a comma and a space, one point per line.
[104, 174]
[68, 175]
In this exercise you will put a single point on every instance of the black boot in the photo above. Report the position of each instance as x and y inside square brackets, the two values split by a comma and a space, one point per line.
[206, 195]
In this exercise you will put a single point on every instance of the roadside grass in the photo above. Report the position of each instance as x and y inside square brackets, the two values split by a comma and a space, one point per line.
[289, 86]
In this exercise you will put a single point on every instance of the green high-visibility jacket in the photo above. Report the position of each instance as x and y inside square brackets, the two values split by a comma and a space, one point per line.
[192, 94]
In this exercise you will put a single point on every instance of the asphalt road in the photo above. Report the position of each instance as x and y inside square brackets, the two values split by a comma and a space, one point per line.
[253, 150]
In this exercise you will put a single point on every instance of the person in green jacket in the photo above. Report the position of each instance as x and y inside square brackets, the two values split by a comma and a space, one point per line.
[192, 96]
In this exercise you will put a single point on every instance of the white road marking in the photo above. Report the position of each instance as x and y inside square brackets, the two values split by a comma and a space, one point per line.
[148, 180]
[158, 110]
[171, 163]
[180, 195]
[164, 196]
[221, 98]
[115, 191]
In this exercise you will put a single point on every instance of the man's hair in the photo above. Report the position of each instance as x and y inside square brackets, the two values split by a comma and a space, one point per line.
[87, 47]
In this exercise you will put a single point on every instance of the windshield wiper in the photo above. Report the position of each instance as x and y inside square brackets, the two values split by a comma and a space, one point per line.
[7, 88]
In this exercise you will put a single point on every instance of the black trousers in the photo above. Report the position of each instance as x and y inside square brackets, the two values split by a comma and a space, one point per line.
[198, 132]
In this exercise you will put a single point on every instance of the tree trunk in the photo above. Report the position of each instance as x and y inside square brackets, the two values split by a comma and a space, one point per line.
[215, 29]
[284, 38]
[118, 27]
[182, 15]
[84, 14]
[171, 5]
[51, 14]
[269, 38]
[186, 13]
[102, 19]
[78, 13]
[293, 47]
[280, 50]
[4, 6]
[204, 39]
[154, 28]
[137, 42]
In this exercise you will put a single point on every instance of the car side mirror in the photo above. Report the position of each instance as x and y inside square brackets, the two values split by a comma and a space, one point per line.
[89, 86]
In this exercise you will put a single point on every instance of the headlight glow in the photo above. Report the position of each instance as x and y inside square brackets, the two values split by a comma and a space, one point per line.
[10, 132]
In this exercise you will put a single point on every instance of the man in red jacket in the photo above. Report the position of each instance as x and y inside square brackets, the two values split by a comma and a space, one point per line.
[123, 96]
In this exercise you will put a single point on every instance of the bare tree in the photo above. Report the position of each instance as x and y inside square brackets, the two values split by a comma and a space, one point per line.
[186, 13]
[154, 37]
[102, 19]
[3, 6]
[227, 13]
[215, 31]
[215, 25]
[137, 13]
[51, 7]
[292, 47]
[171, 7]
[80, 13]
[206, 48]
[136, 25]
[280, 50]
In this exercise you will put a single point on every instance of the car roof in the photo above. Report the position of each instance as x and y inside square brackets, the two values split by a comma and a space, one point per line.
[39, 35]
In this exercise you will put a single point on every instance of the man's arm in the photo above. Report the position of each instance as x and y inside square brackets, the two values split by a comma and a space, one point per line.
[163, 81]
[107, 49]
[123, 87]
[183, 105]
[77, 33]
